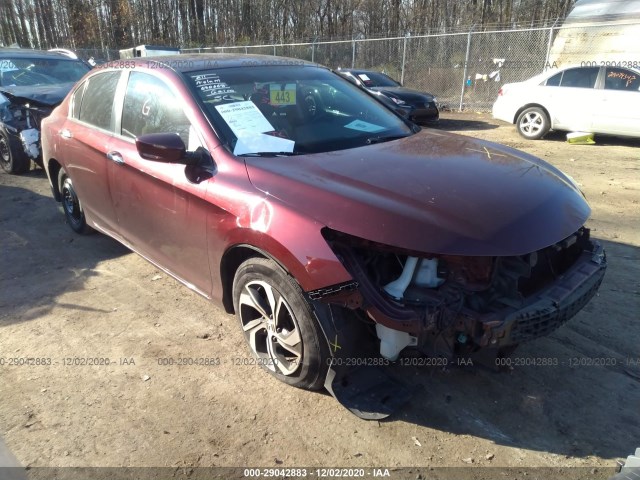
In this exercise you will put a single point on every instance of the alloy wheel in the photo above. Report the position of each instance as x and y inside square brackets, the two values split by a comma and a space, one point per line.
[532, 123]
[271, 328]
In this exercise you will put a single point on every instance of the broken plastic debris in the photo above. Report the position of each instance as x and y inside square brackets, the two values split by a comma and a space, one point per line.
[30, 139]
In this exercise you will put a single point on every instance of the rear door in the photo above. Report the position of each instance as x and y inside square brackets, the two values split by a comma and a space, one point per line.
[571, 98]
[618, 103]
[84, 141]
[160, 213]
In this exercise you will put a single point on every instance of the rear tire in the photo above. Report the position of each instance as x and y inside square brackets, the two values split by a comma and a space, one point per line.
[71, 205]
[533, 123]
[279, 325]
[11, 158]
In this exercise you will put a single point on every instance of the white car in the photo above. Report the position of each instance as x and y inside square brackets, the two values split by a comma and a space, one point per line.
[594, 99]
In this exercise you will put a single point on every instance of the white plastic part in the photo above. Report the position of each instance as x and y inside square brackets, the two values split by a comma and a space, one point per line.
[392, 341]
[633, 461]
[397, 287]
[427, 274]
[30, 140]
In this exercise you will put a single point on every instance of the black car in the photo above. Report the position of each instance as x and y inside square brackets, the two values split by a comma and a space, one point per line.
[419, 107]
[32, 84]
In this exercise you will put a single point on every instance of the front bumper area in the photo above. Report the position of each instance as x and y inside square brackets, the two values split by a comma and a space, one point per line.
[424, 113]
[554, 306]
[517, 315]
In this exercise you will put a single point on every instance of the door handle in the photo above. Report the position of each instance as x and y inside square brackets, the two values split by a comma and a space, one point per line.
[64, 133]
[115, 157]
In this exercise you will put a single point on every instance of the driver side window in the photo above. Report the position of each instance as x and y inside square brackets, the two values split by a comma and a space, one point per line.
[150, 107]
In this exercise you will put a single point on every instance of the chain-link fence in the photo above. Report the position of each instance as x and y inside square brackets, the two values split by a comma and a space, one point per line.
[466, 69]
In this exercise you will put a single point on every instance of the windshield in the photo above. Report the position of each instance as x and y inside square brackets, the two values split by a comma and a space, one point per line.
[291, 110]
[375, 79]
[20, 72]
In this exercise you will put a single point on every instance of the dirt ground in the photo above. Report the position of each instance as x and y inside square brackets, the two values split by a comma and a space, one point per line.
[64, 296]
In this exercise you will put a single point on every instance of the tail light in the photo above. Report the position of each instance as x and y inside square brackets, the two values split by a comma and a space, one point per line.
[500, 92]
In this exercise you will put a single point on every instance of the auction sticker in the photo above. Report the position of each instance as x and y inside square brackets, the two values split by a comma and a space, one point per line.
[363, 126]
[282, 94]
[244, 117]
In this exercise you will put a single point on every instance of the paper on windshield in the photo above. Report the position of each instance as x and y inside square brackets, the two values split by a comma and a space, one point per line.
[260, 142]
[364, 77]
[363, 126]
[244, 118]
[249, 124]
[7, 66]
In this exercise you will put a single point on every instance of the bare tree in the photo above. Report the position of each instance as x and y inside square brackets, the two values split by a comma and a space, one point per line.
[117, 24]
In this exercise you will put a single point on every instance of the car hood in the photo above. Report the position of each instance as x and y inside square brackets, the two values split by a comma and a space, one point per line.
[405, 94]
[47, 95]
[433, 192]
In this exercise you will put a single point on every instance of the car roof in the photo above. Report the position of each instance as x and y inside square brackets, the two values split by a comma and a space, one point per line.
[552, 71]
[357, 71]
[28, 53]
[203, 61]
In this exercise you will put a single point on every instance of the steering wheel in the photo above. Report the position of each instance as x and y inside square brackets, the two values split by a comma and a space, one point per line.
[310, 105]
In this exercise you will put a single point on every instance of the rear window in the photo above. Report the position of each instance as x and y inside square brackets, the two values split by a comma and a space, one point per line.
[97, 101]
[555, 80]
[580, 77]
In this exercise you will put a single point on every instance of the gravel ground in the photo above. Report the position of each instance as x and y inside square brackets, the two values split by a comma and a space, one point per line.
[64, 296]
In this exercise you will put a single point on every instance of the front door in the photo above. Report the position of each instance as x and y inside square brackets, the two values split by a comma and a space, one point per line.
[160, 213]
[618, 103]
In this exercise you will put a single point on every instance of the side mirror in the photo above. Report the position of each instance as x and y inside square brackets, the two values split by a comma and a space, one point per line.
[162, 147]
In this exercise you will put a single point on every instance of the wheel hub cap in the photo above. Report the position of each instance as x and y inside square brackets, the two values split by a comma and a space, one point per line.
[270, 328]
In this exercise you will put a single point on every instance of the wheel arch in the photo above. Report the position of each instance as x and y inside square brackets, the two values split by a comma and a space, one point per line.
[53, 171]
[232, 258]
[531, 105]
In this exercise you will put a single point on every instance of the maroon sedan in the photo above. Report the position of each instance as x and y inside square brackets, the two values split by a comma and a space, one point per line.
[340, 234]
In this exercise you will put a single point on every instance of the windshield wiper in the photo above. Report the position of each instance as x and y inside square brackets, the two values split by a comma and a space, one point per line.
[388, 138]
[269, 154]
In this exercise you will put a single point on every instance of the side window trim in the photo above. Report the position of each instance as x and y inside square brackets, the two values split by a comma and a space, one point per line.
[600, 78]
[78, 91]
[118, 103]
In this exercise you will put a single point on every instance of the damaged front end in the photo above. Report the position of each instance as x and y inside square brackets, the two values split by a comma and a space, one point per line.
[459, 306]
[20, 119]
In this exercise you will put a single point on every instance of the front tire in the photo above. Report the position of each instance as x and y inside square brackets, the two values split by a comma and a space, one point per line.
[11, 158]
[71, 205]
[279, 325]
[533, 123]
